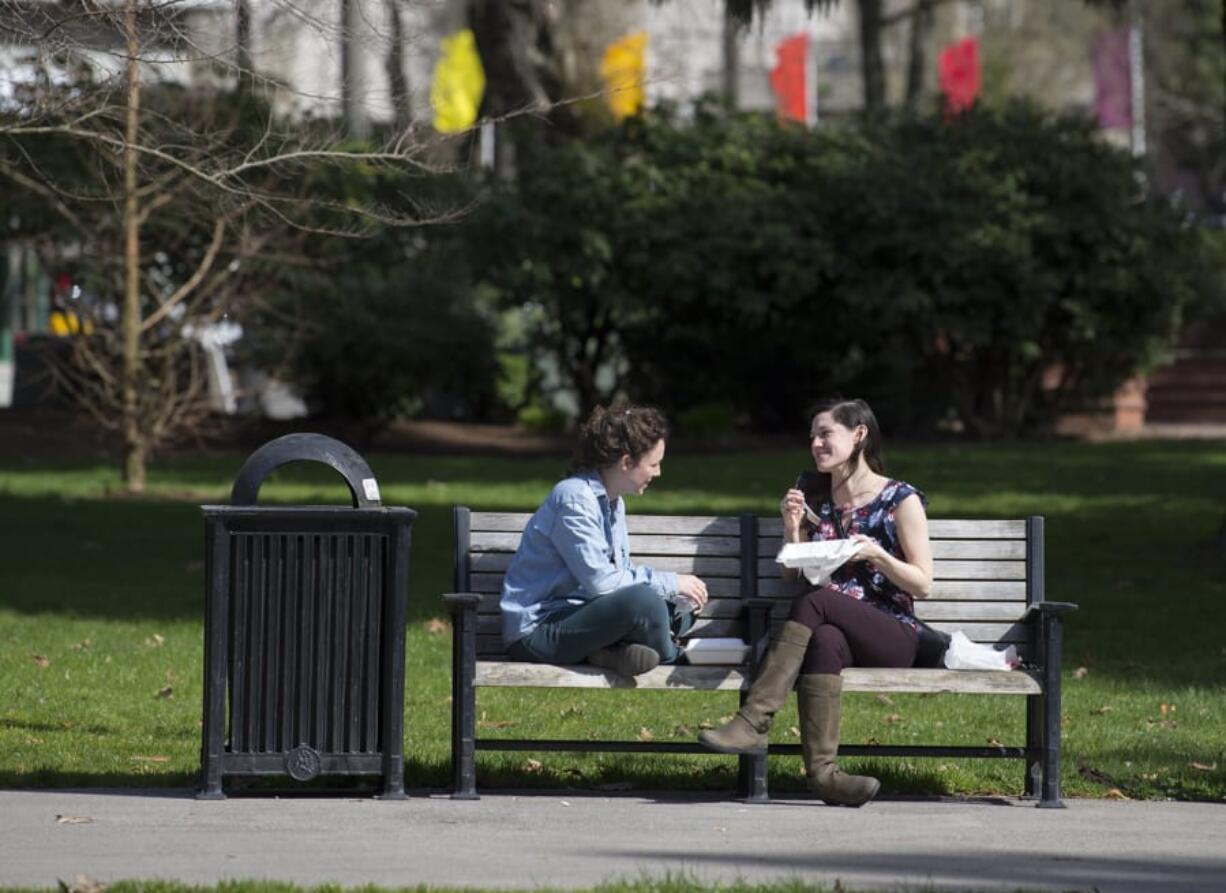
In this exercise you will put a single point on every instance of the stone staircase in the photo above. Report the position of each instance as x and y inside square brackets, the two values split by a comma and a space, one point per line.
[1192, 390]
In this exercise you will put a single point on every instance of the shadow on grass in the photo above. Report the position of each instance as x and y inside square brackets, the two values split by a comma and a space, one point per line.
[144, 559]
[22, 725]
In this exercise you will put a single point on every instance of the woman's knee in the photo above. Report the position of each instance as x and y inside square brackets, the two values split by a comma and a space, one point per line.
[828, 651]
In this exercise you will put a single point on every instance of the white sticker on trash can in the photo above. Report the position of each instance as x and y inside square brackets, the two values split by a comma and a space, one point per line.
[371, 486]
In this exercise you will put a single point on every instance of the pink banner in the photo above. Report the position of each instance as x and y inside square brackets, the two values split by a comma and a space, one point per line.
[1112, 80]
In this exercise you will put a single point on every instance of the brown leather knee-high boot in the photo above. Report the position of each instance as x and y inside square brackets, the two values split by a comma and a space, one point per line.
[820, 699]
[746, 732]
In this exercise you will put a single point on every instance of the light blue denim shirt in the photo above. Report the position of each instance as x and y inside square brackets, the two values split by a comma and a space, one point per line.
[574, 549]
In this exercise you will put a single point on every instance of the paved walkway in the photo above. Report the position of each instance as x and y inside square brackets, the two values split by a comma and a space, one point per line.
[580, 840]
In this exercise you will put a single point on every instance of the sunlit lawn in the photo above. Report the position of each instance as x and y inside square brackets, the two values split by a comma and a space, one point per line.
[101, 601]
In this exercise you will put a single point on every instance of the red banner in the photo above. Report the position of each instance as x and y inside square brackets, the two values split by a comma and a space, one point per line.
[958, 72]
[788, 77]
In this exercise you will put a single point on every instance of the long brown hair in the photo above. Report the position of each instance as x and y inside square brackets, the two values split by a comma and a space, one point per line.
[616, 431]
[850, 414]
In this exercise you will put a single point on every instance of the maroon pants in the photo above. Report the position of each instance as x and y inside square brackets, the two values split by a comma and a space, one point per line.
[850, 633]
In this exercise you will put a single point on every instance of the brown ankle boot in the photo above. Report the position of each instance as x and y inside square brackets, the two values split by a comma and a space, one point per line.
[746, 732]
[820, 699]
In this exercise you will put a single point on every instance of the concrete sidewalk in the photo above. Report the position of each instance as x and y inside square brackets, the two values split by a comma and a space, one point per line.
[579, 840]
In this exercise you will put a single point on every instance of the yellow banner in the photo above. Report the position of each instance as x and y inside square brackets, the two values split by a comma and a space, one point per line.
[458, 85]
[623, 70]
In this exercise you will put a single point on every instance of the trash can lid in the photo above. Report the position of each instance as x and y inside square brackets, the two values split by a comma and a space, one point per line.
[305, 447]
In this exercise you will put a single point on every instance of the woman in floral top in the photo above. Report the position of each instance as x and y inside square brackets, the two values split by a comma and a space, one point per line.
[862, 617]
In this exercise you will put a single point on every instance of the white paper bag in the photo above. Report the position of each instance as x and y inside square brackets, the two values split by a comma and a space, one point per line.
[817, 560]
[963, 654]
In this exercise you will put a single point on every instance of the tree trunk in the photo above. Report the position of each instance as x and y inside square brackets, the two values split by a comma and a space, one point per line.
[242, 44]
[732, 60]
[921, 30]
[352, 94]
[134, 444]
[510, 42]
[871, 65]
[397, 80]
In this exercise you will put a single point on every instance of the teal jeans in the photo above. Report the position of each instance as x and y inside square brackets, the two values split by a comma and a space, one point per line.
[634, 615]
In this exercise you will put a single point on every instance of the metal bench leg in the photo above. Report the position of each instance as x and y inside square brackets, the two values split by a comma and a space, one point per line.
[464, 707]
[751, 779]
[1034, 747]
[1050, 760]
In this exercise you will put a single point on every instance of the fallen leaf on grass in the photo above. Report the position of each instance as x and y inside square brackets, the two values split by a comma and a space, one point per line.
[484, 723]
[793, 732]
[81, 883]
[1116, 794]
[871, 741]
[1080, 673]
[34, 741]
[1166, 709]
[166, 691]
[1203, 767]
[1102, 711]
[706, 724]
[993, 741]
[1161, 723]
[891, 718]
[157, 640]
[82, 645]
[155, 758]
[532, 766]
[683, 731]
[40, 660]
[645, 734]
[885, 699]
[74, 819]
[436, 625]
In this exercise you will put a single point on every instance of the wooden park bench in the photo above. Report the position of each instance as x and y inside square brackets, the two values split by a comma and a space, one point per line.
[988, 583]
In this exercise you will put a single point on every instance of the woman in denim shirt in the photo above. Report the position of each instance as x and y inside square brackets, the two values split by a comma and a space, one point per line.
[572, 593]
[864, 615]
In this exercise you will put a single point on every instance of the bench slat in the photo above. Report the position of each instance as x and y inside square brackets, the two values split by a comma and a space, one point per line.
[717, 587]
[943, 569]
[491, 562]
[514, 522]
[704, 627]
[640, 544]
[718, 678]
[937, 529]
[965, 590]
[1015, 550]
[732, 608]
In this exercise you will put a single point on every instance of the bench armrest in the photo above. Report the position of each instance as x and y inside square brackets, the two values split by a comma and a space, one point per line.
[457, 602]
[1051, 609]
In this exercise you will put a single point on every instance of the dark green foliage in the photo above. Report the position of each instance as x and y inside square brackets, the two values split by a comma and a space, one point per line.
[380, 327]
[373, 341]
[1002, 266]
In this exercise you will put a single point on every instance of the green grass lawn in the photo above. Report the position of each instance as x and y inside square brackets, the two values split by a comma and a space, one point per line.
[101, 632]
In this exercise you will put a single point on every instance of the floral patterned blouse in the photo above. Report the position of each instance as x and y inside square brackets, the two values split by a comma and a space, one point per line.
[860, 579]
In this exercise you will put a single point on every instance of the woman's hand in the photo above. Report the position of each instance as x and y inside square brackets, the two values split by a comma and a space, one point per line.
[870, 550]
[692, 589]
[792, 510]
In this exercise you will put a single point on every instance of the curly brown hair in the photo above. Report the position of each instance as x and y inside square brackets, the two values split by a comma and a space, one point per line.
[615, 431]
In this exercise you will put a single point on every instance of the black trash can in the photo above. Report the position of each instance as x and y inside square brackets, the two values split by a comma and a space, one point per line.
[304, 629]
